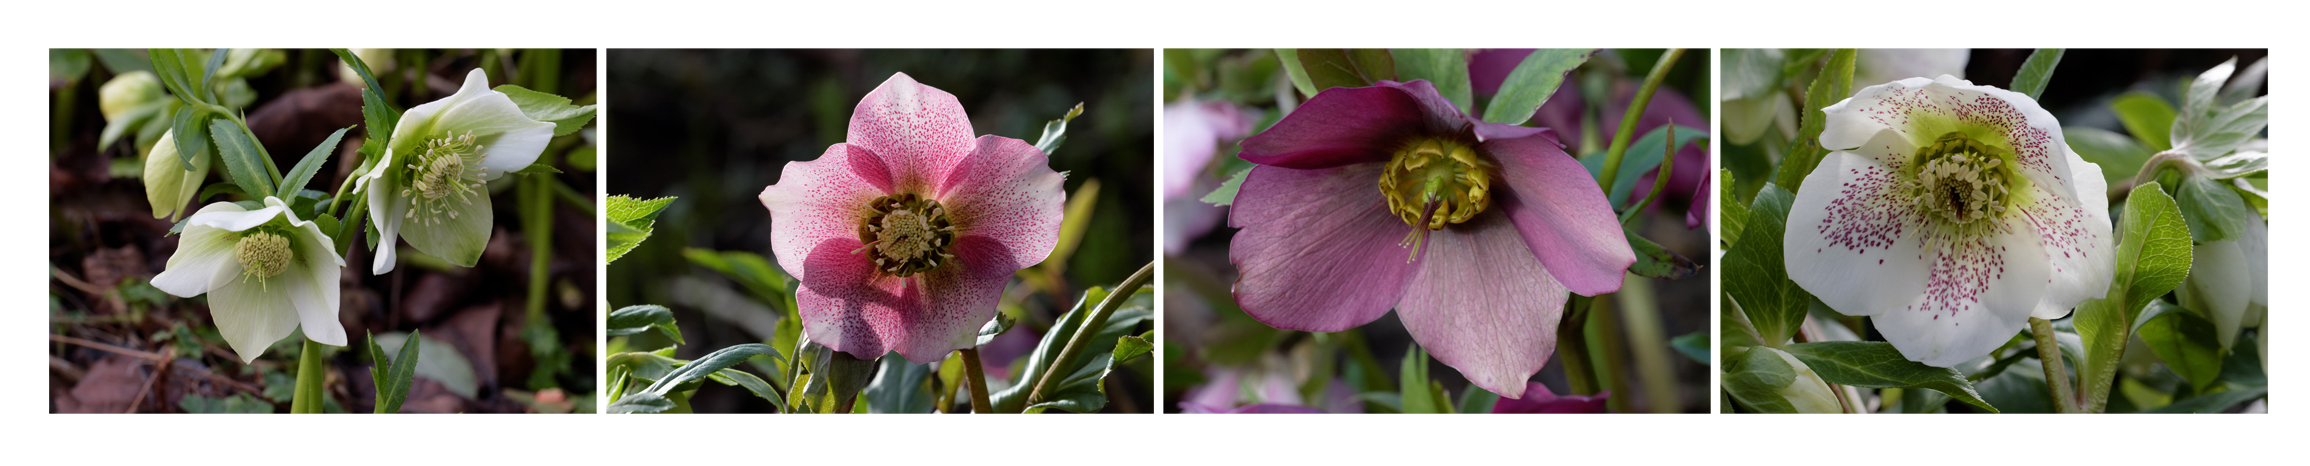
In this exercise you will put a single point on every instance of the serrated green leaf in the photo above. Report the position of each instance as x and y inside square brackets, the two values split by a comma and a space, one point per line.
[402, 375]
[1754, 274]
[1225, 195]
[629, 223]
[694, 371]
[241, 158]
[549, 108]
[1132, 347]
[2237, 164]
[1731, 213]
[1834, 84]
[1055, 132]
[2035, 72]
[1877, 364]
[1535, 79]
[306, 167]
[630, 320]
[1655, 261]
[1446, 68]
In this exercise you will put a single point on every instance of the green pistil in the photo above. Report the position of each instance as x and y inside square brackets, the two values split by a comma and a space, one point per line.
[445, 169]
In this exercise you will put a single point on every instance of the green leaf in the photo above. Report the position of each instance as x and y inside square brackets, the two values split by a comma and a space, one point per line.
[68, 64]
[191, 129]
[2214, 403]
[209, 71]
[1644, 155]
[2213, 211]
[1834, 84]
[900, 387]
[1128, 348]
[1876, 364]
[377, 117]
[393, 386]
[2035, 72]
[1654, 261]
[2198, 102]
[629, 223]
[748, 269]
[241, 158]
[538, 169]
[1413, 377]
[2187, 344]
[1731, 213]
[550, 108]
[2147, 117]
[170, 67]
[1693, 345]
[1756, 379]
[2153, 256]
[303, 172]
[1055, 132]
[1225, 195]
[1076, 222]
[1476, 399]
[1079, 388]
[1532, 82]
[692, 372]
[2226, 130]
[2239, 164]
[2118, 155]
[1736, 330]
[739, 378]
[1298, 73]
[630, 320]
[1446, 68]
[1755, 276]
[1329, 68]
[994, 328]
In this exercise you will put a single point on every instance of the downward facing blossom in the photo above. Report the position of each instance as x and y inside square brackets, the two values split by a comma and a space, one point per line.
[265, 272]
[904, 235]
[168, 185]
[1950, 214]
[430, 187]
[1388, 197]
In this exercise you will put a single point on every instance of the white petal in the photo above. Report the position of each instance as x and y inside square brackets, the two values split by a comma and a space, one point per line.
[1922, 110]
[2217, 287]
[251, 315]
[511, 139]
[386, 211]
[201, 251]
[312, 286]
[1850, 240]
[1854, 121]
[2254, 243]
[514, 149]
[2077, 238]
[233, 219]
[1981, 293]
[458, 239]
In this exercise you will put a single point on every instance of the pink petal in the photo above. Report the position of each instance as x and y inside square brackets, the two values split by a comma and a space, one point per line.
[1006, 192]
[919, 130]
[846, 305]
[1483, 308]
[1192, 133]
[1318, 250]
[1562, 216]
[1342, 126]
[822, 199]
[1539, 400]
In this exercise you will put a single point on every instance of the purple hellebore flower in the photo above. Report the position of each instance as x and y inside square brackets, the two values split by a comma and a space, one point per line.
[1542, 401]
[1388, 197]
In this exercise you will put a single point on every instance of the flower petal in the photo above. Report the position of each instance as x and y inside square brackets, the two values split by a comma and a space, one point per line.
[314, 289]
[167, 185]
[1319, 250]
[2218, 287]
[1192, 133]
[1558, 210]
[386, 212]
[822, 199]
[1539, 400]
[1344, 125]
[1482, 307]
[511, 140]
[253, 314]
[920, 131]
[1006, 192]
[1979, 295]
[1922, 110]
[2076, 234]
[1849, 238]
[458, 238]
[845, 305]
[202, 251]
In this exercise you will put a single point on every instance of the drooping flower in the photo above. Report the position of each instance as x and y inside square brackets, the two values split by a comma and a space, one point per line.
[1539, 400]
[265, 272]
[1388, 197]
[1950, 213]
[168, 186]
[127, 92]
[430, 185]
[2229, 282]
[904, 235]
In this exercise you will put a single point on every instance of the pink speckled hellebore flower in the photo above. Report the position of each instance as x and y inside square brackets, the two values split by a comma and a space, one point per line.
[1388, 197]
[1949, 213]
[904, 235]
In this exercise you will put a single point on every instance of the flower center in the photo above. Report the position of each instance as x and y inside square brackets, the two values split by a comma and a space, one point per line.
[1961, 187]
[906, 234]
[263, 254]
[1437, 182]
[444, 169]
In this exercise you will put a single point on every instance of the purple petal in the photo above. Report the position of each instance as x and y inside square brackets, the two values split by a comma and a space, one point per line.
[819, 200]
[1488, 68]
[1342, 126]
[1483, 308]
[845, 305]
[1562, 215]
[1318, 250]
[1539, 400]
[1697, 215]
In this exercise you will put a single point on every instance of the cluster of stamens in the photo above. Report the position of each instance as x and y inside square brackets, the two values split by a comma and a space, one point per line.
[1435, 183]
[444, 169]
[1960, 188]
[906, 234]
[263, 254]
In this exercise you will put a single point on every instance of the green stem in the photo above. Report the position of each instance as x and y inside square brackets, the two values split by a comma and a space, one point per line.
[1572, 346]
[311, 371]
[537, 203]
[1641, 320]
[1083, 335]
[1659, 183]
[978, 380]
[1610, 351]
[1636, 107]
[2056, 376]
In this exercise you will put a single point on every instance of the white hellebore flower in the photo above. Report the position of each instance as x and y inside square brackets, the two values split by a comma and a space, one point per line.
[264, 270]
[430, 186]
[1950, 214]
[167, 184]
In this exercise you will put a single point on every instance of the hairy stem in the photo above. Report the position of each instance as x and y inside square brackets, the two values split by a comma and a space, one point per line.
[978, 380]
[1083, 335]
[2056, 376]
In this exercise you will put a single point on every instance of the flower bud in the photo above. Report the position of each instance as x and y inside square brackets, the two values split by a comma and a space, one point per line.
[167, 184]
[127, 91]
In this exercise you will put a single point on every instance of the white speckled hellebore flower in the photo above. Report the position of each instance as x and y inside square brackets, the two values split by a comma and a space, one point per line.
[167, 184]
[1950, 214]
[430, 186]
[264, 270]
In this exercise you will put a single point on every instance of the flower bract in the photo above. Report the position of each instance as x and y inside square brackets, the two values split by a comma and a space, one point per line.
[265, 272]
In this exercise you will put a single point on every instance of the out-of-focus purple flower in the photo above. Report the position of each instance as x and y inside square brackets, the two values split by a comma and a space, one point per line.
[1538, 400]
[1186, 218]
[1272, 391]
[1389, 197]
[1488, 68]
[1262, 408]
[1192, 133]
